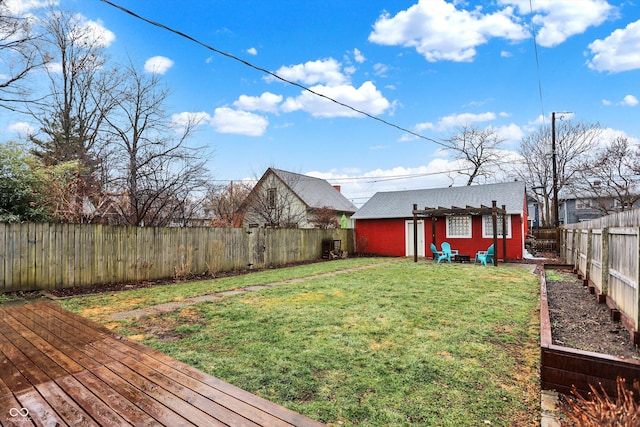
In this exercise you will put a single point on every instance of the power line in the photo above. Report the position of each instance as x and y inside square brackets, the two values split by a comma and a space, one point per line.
[374, 179]
[535, 48]
[270, 73]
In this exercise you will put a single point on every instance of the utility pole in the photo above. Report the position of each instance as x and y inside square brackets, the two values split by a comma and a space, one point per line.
[556, 219]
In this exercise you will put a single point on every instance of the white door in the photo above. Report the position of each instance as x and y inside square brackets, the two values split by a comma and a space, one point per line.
[409, 238]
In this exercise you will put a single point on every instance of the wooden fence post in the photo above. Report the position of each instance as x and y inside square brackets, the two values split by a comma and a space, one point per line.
[636, 320]
[576, 248]
[587, 274]
[605, 261]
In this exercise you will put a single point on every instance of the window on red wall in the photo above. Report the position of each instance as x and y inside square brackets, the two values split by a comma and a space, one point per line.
[459, 226]
[487, 226]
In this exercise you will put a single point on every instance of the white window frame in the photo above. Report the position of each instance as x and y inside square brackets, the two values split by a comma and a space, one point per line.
[487, 226]
[467, 235]
[584, 204]
[272, 194]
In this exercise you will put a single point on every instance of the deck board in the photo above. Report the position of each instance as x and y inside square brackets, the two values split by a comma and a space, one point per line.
[68, 370]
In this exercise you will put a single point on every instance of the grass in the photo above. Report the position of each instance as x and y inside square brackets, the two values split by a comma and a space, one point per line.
[7, 298]
[559, 276]
[396, 344]
[99, 307]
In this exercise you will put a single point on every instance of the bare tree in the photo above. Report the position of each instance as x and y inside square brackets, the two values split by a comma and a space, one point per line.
[79, 84]
[154, 171]
[325, 218]
[19, 56]
[536, 171]
[477, 148]
[224, 201]
[608, 178]
[574, 141]
[71, 117]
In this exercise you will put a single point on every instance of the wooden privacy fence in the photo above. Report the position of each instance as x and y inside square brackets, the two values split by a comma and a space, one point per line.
[39, 256]
[606, 253]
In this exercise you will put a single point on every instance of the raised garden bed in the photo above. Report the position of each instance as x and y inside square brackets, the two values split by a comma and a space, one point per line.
[563, 367]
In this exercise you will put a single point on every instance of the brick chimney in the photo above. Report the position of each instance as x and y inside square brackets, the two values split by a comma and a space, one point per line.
[337, 187]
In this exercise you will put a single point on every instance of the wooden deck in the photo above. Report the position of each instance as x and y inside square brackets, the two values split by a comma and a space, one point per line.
[66, 370]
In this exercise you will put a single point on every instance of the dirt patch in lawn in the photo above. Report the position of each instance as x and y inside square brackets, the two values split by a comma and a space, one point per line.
[579, 321]
[114, 287]
[182, 325]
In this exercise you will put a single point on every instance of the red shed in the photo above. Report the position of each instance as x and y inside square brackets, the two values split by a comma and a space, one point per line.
[384, 225]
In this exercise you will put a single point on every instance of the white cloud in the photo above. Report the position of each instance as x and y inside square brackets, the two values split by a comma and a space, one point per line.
[349, 70]
[227, 120]
[358, 56]
[627, 101]
[440, 31]
[325, 71]
[558, 20]
[366, 98]
[267, 102]
[21, 128]
[511, 133]
[439, 172]
[380, 69]
[94, 32]
[630, 101]
[181, 120]
[18, 7]
[620, 51]
[158, 65]
[252, 51]
[455, 120]
[53, 67]
[546, 120]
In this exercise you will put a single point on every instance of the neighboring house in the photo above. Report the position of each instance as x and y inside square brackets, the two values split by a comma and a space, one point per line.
[384, 225]
[533, 210]
[573, 208]
[287, 199]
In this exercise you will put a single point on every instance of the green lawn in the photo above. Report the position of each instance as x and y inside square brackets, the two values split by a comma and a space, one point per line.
[400, 343]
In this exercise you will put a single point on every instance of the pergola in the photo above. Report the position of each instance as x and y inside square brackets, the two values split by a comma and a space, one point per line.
[494, 211]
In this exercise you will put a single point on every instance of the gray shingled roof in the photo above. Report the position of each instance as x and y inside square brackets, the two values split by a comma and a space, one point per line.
[399, 204]
[316, 192]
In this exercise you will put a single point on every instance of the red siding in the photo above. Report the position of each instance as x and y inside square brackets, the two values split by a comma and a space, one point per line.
[387, 237]
[381, 236]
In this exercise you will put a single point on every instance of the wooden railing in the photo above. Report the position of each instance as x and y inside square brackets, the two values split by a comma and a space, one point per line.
[39, 256]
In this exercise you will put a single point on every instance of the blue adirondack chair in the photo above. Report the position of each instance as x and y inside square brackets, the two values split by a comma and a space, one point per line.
[485, 256]
[437, 255]
[447, 251]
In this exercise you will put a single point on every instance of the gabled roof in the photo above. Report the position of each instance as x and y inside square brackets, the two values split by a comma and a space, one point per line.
[314, 192]
[399, 204]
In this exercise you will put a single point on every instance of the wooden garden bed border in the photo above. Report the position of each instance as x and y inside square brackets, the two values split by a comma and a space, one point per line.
[561, 368]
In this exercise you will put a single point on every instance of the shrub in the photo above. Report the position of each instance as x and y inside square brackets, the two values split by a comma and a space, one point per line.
[598, 409]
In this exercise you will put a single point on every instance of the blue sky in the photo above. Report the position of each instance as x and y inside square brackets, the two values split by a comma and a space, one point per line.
[427, 66]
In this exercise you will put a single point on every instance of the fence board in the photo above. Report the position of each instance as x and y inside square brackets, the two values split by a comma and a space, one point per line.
[14, 244]
[49, 256]
[3, 257]
[614, 251]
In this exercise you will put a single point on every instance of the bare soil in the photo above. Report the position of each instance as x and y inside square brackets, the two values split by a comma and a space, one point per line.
[579, 321]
